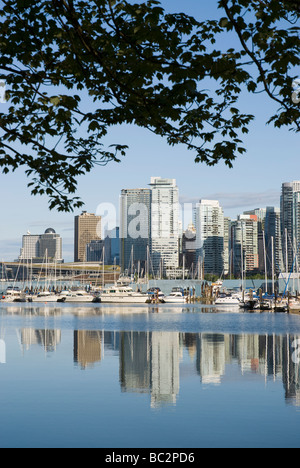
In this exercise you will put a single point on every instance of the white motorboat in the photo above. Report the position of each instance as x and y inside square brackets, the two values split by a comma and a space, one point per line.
[77, 297]
[176, 297]
[13, 295]
[228, 301]
[122, 294]
[44, 297]
[294, 305]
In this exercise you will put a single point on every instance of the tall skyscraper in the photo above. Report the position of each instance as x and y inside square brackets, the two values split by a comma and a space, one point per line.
[244, 241]
[290, 222]
[210, 236]
[260, 213]
[87, 228]
[227, 245]
[164, 224]
[135, 227]
[273, 240]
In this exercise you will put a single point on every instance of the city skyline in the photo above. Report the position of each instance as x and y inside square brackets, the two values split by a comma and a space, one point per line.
[255, 180]
[162, 309]
[31, 214]
[186, 213]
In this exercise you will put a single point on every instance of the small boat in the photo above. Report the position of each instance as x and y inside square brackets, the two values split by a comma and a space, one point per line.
[176, 297]
[228, 301]
[13, 295]
[77, 297]
[294, 306]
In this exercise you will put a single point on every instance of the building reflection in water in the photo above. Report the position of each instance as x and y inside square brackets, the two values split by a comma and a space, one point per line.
[87, 347]
[48, 339]
[150, 362]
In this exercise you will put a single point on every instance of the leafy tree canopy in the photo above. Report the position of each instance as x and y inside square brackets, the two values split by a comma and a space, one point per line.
[74, 68]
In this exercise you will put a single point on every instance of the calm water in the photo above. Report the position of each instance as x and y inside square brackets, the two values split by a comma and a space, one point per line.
[166, 377]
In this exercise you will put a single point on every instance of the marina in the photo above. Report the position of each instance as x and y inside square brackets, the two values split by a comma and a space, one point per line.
[124, 291]
[95, 375]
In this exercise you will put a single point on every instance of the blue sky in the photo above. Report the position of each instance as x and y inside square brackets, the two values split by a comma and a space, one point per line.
[255, 181]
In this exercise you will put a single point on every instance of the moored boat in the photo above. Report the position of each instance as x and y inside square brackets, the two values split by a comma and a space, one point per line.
[122, 294]
[228, 300]
[14, 295]
[294, 306]
[44, 297]
[175, 297]
[77, 297]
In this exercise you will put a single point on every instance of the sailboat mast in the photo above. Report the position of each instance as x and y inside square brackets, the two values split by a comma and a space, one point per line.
[265, 261]
[103, 265]
[273, 273]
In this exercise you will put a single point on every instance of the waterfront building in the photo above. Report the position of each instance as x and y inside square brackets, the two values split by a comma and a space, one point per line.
[210, 236]
[30, 247]
[50, 246]
[273, 240]
[109, 246]
[260, 213]
[39, 247]
[244, 242]
[290, 223]
[135, 228]
[94, 251]
[87, 228]
[189, 248]
[227, 245]
[164, 225]
[112, 243]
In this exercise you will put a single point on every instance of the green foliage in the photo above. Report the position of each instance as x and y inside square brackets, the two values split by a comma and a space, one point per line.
[210, 277]
[74, 68]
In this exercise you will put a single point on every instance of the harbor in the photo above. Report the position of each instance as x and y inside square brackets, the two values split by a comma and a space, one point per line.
[113, 375]
[252, 295]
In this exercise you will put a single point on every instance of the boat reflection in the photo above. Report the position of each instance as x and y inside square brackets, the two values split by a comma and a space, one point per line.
[158, 362]
[106, 309]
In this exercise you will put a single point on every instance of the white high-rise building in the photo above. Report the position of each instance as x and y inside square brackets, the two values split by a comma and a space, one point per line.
[164, 224]
[210, 236]
[290, 222]
[244, 241]
[273, 240]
